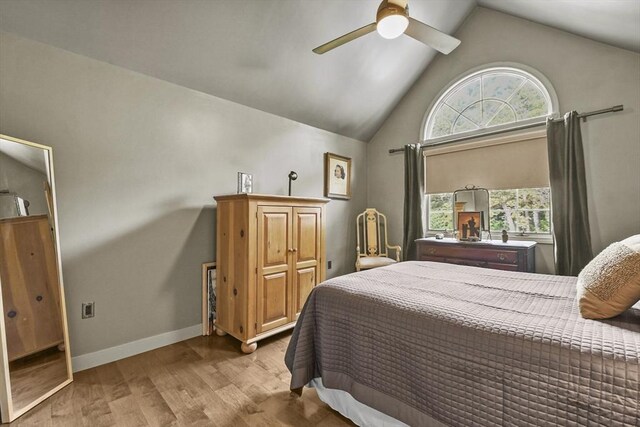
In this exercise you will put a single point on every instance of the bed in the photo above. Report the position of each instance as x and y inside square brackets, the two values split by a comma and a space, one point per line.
[438, 344]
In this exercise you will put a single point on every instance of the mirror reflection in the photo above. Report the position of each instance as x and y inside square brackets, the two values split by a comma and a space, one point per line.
[471, 199]
[33, 325]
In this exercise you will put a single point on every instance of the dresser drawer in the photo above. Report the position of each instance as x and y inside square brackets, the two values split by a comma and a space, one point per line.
[469, 262]
[507, 267]
[514, 256]
[470, 253]
[473, 263]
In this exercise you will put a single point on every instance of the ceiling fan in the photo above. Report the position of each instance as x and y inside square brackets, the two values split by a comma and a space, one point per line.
[393, 20]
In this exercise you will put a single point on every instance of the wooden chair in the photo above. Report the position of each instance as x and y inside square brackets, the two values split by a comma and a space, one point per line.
[371, 228]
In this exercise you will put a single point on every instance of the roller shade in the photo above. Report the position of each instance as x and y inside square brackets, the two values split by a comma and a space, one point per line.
[495, 165]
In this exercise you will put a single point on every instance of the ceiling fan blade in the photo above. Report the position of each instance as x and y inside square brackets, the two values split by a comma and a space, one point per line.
[431, 37]
[345, 39]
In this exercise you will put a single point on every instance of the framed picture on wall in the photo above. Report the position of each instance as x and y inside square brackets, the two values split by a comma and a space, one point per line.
[337, 176]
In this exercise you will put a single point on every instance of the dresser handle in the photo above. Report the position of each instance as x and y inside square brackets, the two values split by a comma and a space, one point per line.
[501, 257]
[431, 251]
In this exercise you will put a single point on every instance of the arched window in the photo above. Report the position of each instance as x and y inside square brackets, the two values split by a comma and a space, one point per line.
[492, 99]
[489, 99]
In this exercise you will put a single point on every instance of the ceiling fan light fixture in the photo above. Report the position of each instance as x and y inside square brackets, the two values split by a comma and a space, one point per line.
[392, 20]
[392, 26]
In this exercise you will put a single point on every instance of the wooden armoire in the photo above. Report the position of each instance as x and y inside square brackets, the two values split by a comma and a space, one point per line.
[270, 255]
[30, 286]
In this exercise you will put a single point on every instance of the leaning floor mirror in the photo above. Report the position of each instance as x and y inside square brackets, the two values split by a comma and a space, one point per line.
[34, 342]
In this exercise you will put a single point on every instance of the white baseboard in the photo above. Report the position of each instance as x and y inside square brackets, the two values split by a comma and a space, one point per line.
[111, 354]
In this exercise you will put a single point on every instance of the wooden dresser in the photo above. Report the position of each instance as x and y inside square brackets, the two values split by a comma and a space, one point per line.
[270, 255]
[511, 256]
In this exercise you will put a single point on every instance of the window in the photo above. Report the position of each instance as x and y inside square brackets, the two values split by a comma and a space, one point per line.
[493, 98]
[440, 211]
[513, 166]
[523, 210]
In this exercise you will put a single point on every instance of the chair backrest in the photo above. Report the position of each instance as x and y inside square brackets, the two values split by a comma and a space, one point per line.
[371, 229]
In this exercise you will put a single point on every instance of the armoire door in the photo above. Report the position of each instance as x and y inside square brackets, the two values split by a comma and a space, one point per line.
[307, 229]
[274, 254]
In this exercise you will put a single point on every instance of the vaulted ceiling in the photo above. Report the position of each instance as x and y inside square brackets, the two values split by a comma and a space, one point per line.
[258, 52]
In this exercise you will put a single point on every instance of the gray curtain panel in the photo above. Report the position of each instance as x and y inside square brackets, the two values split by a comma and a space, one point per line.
[570, 214]
[414, 199]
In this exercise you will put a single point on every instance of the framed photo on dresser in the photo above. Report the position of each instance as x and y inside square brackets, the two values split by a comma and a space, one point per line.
[337, 176]
[245, 183]
[470, 226]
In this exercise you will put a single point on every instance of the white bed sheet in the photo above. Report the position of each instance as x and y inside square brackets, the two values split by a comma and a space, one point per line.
[361, 414]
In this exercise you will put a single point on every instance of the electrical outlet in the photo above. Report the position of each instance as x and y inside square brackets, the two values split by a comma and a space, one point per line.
[329, 265]
[88, 309]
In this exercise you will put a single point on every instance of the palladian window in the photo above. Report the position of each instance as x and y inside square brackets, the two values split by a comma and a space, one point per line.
[491, 98]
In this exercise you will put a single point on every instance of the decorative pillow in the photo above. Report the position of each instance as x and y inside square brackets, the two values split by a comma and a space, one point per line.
[610, 283]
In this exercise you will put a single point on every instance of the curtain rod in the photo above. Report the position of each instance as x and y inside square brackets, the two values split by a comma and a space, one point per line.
[583, 116]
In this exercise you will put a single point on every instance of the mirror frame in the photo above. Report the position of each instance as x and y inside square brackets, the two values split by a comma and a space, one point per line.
[9, 414]
[487, 222]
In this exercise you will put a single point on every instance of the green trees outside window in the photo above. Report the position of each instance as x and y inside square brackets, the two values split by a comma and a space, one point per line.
[523, 210]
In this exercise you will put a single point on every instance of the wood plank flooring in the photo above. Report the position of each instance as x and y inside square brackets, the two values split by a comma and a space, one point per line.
[204, 381]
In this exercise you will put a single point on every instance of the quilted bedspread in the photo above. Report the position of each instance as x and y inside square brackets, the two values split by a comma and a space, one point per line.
[469, 346]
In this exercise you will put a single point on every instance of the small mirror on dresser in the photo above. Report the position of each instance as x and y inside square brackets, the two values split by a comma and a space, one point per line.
[34, 346]
[471, 213]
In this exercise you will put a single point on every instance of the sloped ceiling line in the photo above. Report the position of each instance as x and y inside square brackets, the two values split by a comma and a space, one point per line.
[258, 52]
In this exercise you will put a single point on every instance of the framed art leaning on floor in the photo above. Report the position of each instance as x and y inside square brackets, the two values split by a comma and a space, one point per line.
[208, 297]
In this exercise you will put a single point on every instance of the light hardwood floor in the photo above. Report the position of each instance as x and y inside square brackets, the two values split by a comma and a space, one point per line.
[203, 381]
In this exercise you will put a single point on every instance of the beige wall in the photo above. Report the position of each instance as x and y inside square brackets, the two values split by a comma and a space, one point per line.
[137, 161]
[586, 76]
